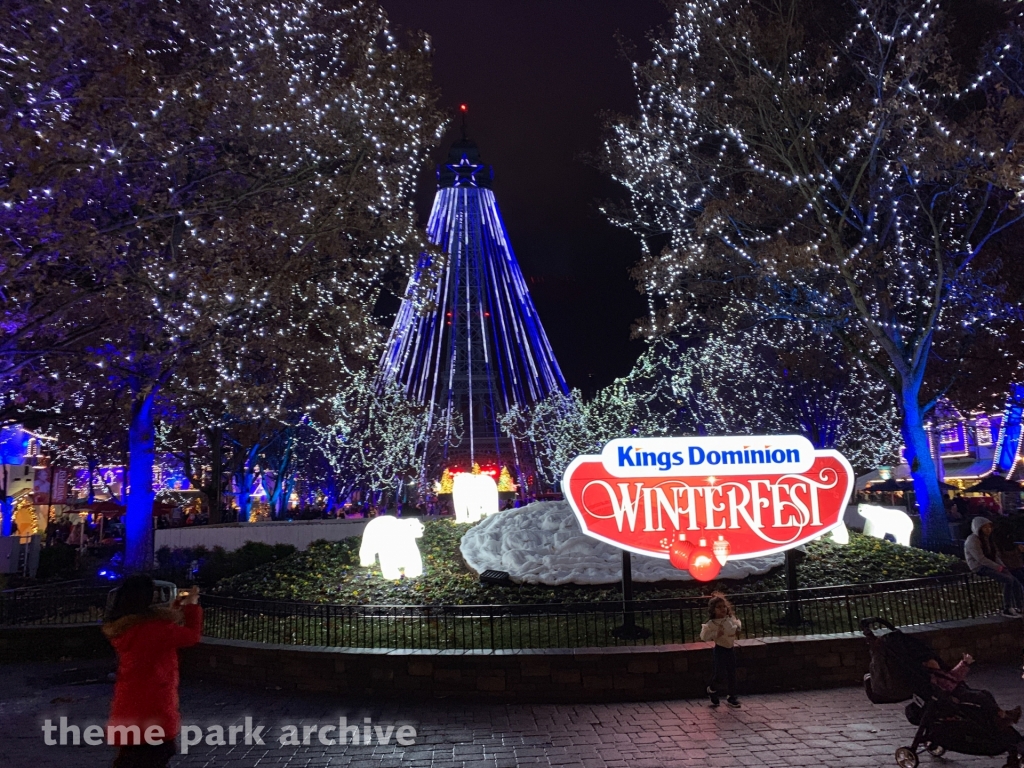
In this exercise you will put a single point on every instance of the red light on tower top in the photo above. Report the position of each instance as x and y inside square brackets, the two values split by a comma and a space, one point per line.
[463, 108]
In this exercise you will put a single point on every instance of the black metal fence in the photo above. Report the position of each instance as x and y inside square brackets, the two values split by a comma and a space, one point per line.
[587, 625]
[74, 603]
[827, 610]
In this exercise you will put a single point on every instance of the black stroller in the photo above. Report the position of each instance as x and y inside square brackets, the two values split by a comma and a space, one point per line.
[945, 721]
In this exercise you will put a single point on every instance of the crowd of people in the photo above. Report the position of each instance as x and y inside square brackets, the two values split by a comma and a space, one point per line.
[84, 530]
[961, 510]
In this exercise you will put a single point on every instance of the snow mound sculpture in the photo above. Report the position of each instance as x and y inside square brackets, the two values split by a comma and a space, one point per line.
[542, 543]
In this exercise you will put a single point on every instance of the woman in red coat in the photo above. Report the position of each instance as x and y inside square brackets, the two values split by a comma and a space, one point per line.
[147, 640]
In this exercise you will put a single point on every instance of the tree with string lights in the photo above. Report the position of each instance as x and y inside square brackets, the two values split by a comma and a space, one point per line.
[372, 434]
[844, 167]
[755, 380]
[564, 426]
[776, 379]
[232, 178]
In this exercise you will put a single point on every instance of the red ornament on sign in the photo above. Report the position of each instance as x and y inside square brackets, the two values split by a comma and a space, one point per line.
[760, 495]
[679, 552]
[703, 565]
[721, 549]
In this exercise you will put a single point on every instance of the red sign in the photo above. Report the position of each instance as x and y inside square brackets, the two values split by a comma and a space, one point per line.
[60, 486]
[41, 486]
[662, 497]
[45, 493]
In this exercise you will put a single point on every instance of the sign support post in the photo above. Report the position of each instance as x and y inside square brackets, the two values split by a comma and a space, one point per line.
[49, 500]
[793, 616]
[629, 629]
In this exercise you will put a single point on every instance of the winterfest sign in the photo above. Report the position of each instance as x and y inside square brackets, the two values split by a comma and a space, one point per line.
[702, 501]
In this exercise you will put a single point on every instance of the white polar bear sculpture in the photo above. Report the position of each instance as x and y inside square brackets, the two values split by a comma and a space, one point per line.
[395, 541]
[841, 534]
[879, 521]
[474, 497]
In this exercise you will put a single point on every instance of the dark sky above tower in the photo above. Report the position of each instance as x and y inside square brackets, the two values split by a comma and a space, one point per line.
[536, 74]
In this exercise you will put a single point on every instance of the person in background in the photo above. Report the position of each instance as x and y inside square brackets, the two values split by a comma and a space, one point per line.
[722, 627]
[962, 508]
[1008, 553]
[953, 517]
[982, 559]
[147, 639]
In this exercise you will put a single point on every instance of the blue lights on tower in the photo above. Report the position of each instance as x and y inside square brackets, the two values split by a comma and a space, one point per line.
[482, 350]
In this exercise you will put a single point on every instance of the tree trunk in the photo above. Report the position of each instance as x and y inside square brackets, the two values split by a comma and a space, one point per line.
[214, 491]
[246, 476]
[139, 515]
[186, 466]
[124, 472]
[91, 463]
[242, 498]
[331, 491]
[7, 512]
[934, 527]
[286, 496]
[279, 498]
[6, 508]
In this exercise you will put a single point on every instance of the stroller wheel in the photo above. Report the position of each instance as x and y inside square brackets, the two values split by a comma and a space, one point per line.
[936, 750]
[906, 757]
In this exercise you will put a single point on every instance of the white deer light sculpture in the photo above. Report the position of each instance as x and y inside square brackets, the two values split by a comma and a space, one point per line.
[474, 497]
[879, 521]
[394, 541]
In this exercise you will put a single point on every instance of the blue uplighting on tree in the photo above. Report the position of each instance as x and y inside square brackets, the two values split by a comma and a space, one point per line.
[1008, 449]
[13, 444]
[482, 350]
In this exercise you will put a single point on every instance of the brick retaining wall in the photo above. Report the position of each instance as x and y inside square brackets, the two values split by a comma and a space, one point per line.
[78, 641]
[231, 536]
[585, 675]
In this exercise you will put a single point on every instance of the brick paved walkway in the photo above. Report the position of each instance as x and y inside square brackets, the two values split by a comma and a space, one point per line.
[834, 728]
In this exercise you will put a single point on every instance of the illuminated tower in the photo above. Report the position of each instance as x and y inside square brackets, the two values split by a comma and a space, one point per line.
[482, 349]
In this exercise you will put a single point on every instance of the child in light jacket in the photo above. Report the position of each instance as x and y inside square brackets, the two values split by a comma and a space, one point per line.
[722, 628]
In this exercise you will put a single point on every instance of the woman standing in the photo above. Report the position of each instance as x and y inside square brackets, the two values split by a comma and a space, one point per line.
[147, 640]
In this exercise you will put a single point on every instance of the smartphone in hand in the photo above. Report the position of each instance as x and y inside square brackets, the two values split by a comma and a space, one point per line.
[188, 596]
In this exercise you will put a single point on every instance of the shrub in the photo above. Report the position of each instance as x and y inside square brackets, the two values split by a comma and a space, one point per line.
[217, 564]
[867, 559]
[57, 561]
[330, 572]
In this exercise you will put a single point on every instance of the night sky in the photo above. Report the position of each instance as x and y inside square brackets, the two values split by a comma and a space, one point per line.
[536, 75]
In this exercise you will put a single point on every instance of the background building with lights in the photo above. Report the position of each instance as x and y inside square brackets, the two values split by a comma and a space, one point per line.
[968, 446]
